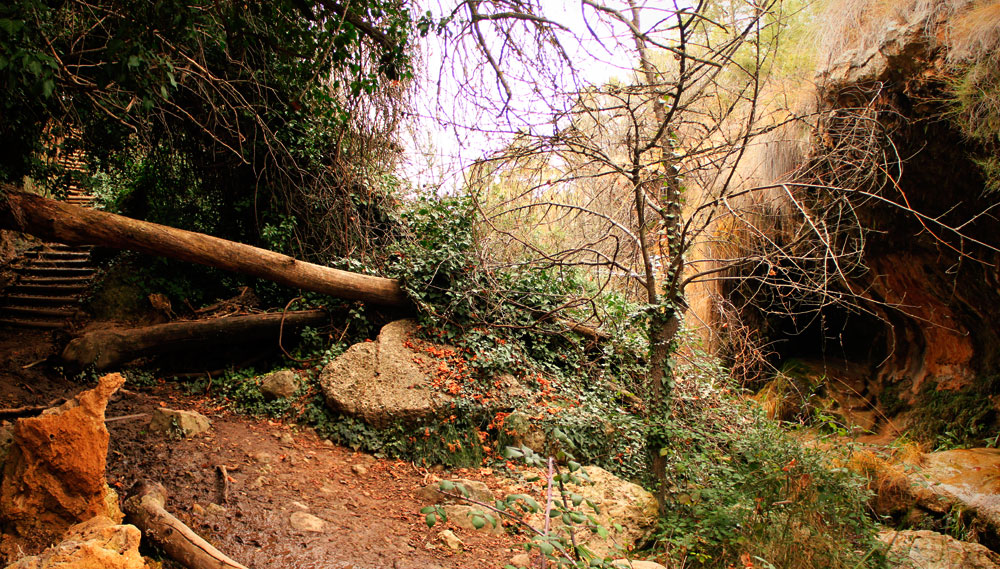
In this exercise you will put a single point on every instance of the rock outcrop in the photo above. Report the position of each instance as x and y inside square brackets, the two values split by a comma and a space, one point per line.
[931, 550]
[381, 382]
[54, 473]
[620, 503]
[95, 544]
[967, 479]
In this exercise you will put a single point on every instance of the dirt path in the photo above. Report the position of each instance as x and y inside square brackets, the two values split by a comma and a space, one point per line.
[371, 512]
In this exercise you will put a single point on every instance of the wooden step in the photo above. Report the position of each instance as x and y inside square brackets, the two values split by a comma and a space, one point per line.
[30, 323]
[36, 280]
[39, 299]
[58, 271]
[47, 289]
[71, 263]
[55, 255]
[36, 311]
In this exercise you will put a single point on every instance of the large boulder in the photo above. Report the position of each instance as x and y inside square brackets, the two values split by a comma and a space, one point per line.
[931, 550]
[620, 503]
[54, 473]
[95, 544]
[381, 382]
[965, 478]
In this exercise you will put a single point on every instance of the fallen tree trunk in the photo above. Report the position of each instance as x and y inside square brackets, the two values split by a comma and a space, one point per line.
[145, 511]
[104, 349]
[65, 223]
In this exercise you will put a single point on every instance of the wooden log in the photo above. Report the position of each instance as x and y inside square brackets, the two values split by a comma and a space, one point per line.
[65, 223]
[145, 510]
[105, 349]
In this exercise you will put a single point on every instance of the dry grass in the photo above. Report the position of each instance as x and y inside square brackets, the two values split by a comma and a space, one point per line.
[885, 470]
[975, 34]
[845, 25]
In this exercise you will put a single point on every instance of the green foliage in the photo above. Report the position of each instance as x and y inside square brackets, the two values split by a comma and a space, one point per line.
[946, 419]
[231, 119]
[740, 486]
[975, 98]
[241, 390]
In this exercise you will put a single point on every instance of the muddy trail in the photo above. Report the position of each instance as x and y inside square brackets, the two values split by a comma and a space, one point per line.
[370, 506]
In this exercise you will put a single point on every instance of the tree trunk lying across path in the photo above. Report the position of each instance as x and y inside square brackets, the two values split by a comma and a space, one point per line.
[144, 509]
[65, 223]
[105, 349]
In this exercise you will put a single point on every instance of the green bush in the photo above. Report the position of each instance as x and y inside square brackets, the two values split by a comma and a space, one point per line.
[743, 490]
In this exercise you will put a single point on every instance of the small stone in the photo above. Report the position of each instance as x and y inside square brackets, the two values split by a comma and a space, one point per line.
[279, 385]
[263, 457]
[521, 560]
[215, 510]
[286, 438]
[359, 469]
[258, 482]
[299, 506]
[635, 564]
[461, 515]
[197, 509]
[477, 490]
[328, 443]
[451, 540]
[176, 423]
[307, 522]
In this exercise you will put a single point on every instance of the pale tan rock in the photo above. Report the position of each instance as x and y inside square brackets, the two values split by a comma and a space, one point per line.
[931, 550]
[279, 385]
[54, 473]
[380, 382]
[95, 544]
[477, 490]
[521, 560]
[303, 521]
[461, 516]
[620, 502]
[966, 478]
[177, 423]
[635, 564]
[451, 540]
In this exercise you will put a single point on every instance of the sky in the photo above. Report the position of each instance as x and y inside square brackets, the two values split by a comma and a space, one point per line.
[450, 128]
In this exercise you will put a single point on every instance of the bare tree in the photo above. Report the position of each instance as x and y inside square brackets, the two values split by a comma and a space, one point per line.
[676, 173]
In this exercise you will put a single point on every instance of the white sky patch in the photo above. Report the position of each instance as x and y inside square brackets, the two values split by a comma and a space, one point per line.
[459, 108]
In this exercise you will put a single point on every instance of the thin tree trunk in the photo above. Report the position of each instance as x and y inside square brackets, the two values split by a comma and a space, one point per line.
[58, 221]
[105, 349]
[145, 509]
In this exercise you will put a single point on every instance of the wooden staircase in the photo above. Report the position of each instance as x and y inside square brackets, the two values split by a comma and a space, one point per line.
[46, 293]
[51, 277]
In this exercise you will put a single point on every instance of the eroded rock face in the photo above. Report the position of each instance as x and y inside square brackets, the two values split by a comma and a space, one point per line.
[931, 550]
[969, 478]
[380, 382]
[54, 473]
[95, 544]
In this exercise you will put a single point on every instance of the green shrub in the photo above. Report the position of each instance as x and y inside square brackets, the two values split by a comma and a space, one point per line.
[945, 419]
[742, 490]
